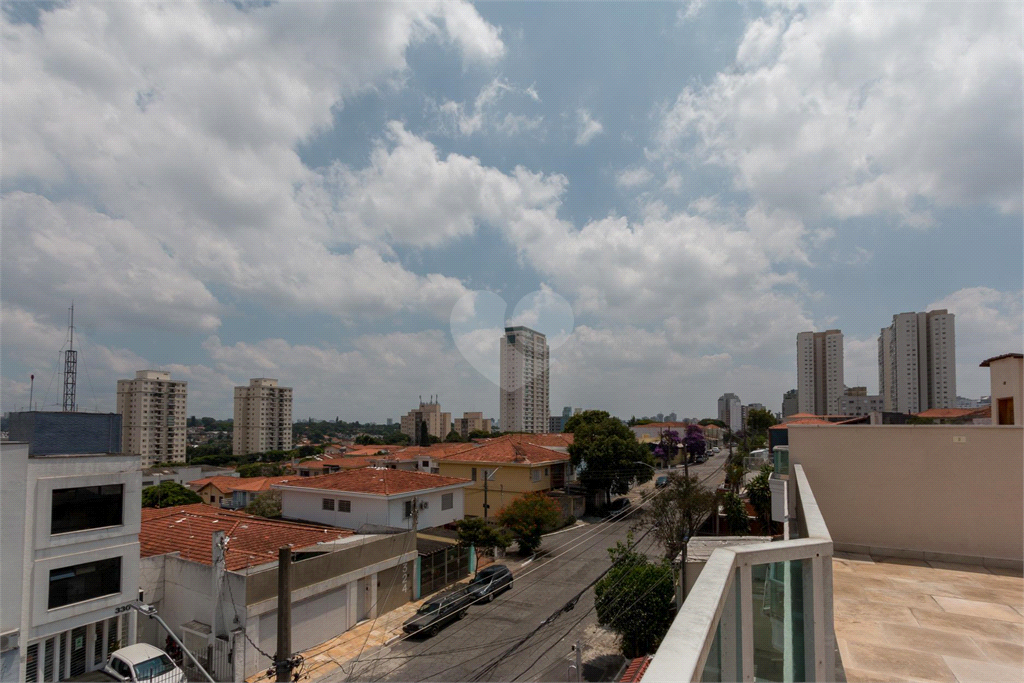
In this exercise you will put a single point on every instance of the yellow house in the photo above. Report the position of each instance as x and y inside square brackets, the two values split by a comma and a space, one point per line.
[512, 467]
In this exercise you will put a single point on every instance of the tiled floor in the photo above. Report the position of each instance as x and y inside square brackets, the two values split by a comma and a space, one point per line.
[911, 620]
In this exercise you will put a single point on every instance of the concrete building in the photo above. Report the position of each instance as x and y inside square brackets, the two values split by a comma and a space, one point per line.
[1007, 378]
[525, 374]
[790, 403]
[263, 417]
[374, 499]
[917, 362]
[154, 476]
[745, 412]
[153, 416]
[58, 433]
[438, 423]
[70, 560]
[730, 411]
[212, 575]
[819, 372]
[472, 422]
[856, 401]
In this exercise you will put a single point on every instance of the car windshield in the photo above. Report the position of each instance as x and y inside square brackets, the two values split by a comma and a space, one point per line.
[483, 578]
[428, 608]
[151, 668]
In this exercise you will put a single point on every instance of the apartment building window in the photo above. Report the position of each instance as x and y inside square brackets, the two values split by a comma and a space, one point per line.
[473, 474]
[447, 501]
[344, 506]
[86, 507]
[82, 582]
[327, 504]
[535, 475]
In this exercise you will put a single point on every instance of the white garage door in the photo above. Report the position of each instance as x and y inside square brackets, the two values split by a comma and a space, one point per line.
[314, 620]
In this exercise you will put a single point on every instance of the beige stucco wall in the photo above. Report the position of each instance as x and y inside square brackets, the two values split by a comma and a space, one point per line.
[507, 484]
[1008, 381]
[947, 489]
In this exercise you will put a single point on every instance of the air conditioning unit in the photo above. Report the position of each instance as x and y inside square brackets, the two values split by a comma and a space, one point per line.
[9, 641]
[424, 505]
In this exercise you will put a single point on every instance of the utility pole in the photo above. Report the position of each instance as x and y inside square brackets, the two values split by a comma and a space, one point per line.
[282, 660]
[485, 494]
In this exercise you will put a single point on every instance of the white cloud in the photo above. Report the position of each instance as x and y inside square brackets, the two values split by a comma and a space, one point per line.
[862, 108]
[455, 118]
[690, 10]
[632, 177]
[587, 127]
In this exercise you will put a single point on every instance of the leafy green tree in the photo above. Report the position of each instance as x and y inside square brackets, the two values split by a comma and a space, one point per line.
[480, 434]
[454, 436]
[267, 504]
[397, 439]
[527, 518]
[482, 535]
[758, 422]
[367, 440]
[607, 453]
[709, 421]
[260, 469]
[168, 494]
[635, 600]
[431, 439]
[759, 493]
[736, 514]
[678, 512]
[308, 451]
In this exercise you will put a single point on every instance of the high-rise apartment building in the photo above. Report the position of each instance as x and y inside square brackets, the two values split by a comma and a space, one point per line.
[472, 422]
[917, 362]
[525, 374]
[790, 403]
[819, 372]
[153, 416]
[856, 401]
[730, 411]
[438, 423]
[263, 417]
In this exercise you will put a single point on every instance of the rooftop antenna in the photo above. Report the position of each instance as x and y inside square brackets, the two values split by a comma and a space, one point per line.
[70, 364]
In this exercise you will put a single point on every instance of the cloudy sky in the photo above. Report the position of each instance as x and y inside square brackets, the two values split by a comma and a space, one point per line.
[354, 197]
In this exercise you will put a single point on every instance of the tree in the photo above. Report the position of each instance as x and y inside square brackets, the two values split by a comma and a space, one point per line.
[397, 439]
[454, 436]
[693, 441]
[309, 451]
[260, 469]
[168, 494]
[734, 472]
[482, 535]
[607, 453]
[678, 512]
[367, 440]
[758, 422]
[479, 434]
[528, 517]
[759, 493]
[736, 514]
[266, 504]
[431, 439]
[635, 600]
[710, 421]
[424, 436]
[667, 447]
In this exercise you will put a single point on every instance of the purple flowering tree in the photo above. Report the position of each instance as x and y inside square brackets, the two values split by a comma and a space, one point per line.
[666, 448]
[693, 443]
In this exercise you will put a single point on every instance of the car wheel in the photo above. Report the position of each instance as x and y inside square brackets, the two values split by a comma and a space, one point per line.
[490, 597]
[432, 631]
[461, 614]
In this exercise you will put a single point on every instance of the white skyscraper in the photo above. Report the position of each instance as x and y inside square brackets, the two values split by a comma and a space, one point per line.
[525, 372]
[819, 372]
[263, 417]
[153, 416]
[917, 362]
[730, 411]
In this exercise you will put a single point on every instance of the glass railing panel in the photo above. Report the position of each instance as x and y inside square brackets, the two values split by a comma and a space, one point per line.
[777, 606]
[713, 666]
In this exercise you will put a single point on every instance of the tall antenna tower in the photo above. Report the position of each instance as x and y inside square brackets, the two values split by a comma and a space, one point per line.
[70, 364]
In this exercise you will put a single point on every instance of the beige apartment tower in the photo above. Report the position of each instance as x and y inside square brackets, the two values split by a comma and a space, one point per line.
[438, 423]
[917, 362]
[819, 372]
[525, 376]
[263, 417]
[153, 416]
[472, 422]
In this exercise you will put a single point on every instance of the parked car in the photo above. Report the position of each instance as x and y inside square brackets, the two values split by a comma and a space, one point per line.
[661, 482]
[438, 612]
[141, 663]
[618, 505]
[716, 449]
[490, 581]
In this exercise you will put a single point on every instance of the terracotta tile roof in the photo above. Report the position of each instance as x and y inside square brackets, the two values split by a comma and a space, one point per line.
[809, 420]
[377, 481]
[368, 450]
[435, 450]
[252, 540]
[988, 361]
[635, 671]
[343, 463]
[514, 449]
[952, 413]
[229, 484]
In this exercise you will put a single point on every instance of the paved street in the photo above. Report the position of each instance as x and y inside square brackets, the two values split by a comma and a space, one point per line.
[465, 649]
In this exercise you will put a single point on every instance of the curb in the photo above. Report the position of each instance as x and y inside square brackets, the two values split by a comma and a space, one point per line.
[577, 525]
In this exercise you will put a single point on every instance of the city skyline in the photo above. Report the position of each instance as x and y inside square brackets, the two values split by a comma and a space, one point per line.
[329, 236]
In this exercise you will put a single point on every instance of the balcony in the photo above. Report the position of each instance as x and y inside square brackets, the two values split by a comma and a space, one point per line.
[915, 576]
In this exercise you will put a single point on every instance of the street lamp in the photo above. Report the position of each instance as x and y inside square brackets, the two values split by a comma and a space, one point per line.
[150, 611]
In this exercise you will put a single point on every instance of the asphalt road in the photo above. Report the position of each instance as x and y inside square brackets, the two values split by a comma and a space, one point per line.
[466, 649]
